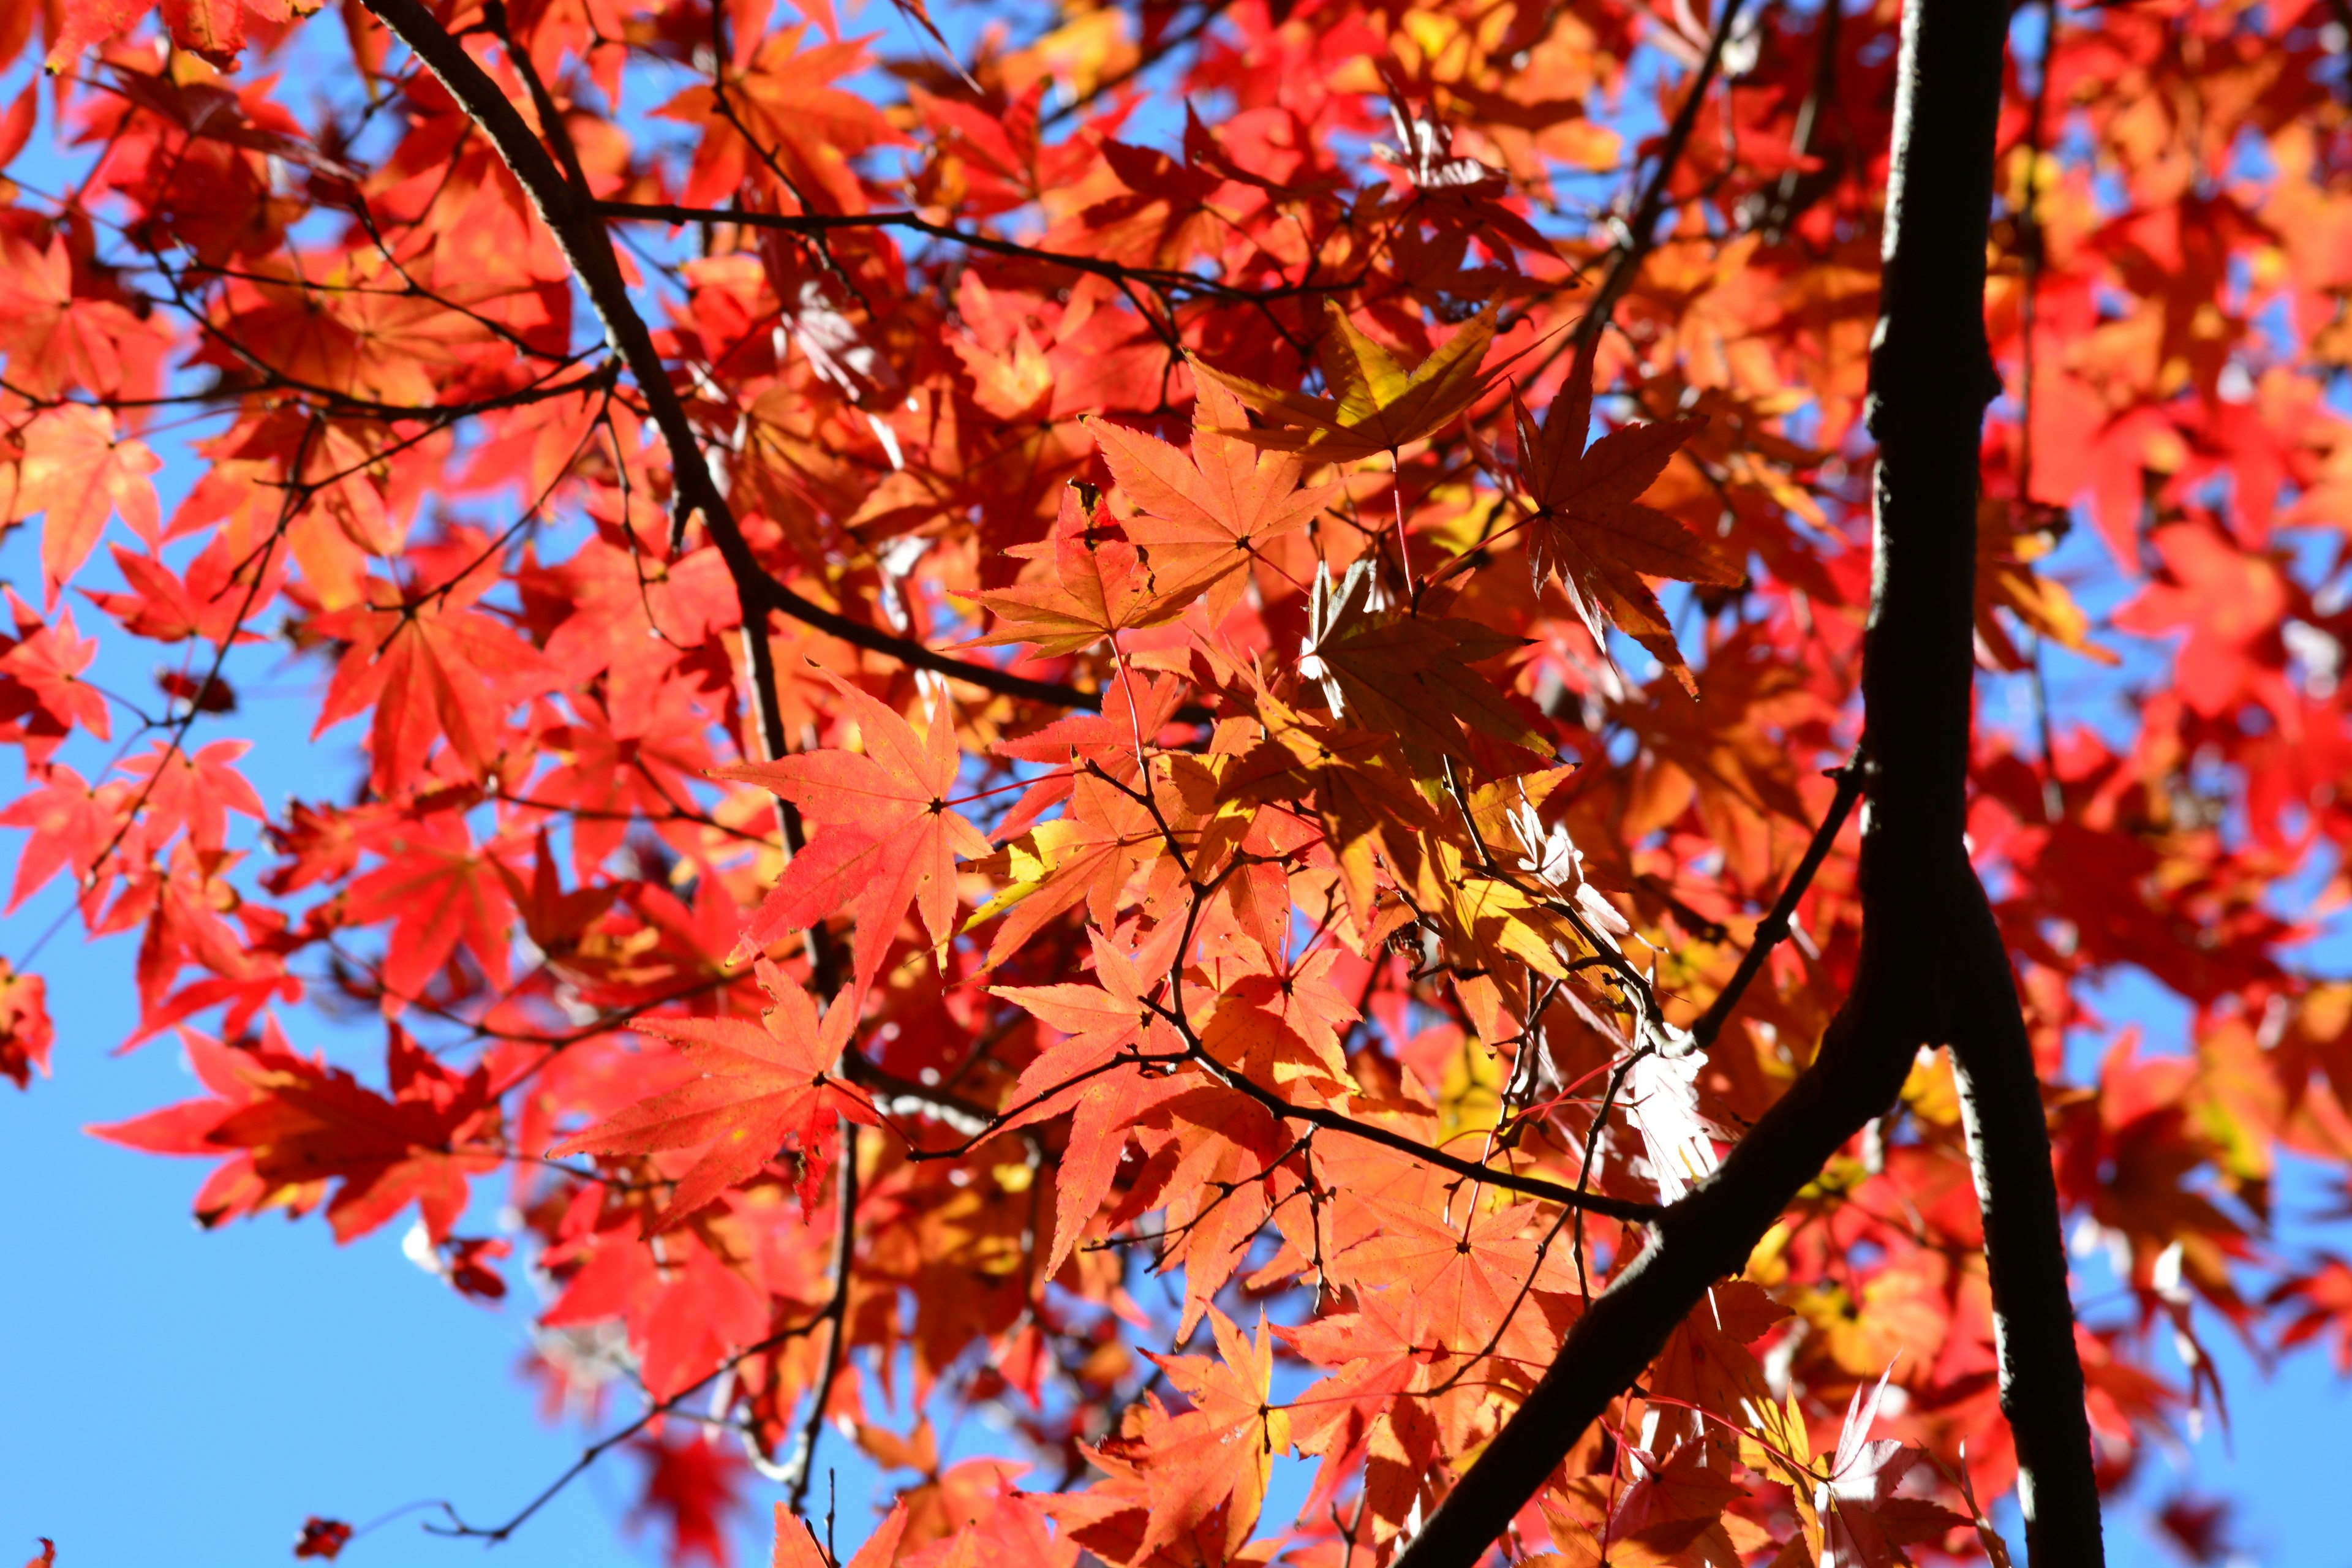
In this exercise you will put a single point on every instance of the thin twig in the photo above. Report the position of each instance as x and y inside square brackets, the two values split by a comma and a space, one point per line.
[1592, 1153]
[1773, 928]
[457, 1527]
[1166, 46]
[800, 1467]
[818, 225]
[1493, 1176]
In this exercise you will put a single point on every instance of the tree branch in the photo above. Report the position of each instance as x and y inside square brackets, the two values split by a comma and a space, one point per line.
[802, 1466]
[1697, 1242]
[1782, 207]
[1629, 1210]
[573, 217]
[776, 596]
[2033, 1312]
[816, 224]
[1773, 930]
[1167, 46]
[1640, 229]
[653, 1411]
[1931, 375]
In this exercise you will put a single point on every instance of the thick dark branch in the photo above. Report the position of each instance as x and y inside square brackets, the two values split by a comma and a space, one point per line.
[570, 214]
[1697, 1241]
[573, 217]
[2033, 1312]
[1931, 375]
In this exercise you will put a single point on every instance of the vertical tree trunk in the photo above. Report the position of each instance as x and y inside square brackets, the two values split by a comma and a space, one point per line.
[2033, 1316]
[1932, 966]
[1931, 375]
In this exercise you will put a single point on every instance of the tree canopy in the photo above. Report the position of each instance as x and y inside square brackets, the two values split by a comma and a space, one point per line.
[1234, 728]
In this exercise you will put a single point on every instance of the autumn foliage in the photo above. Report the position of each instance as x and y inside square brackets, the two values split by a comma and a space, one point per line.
[1086, 710]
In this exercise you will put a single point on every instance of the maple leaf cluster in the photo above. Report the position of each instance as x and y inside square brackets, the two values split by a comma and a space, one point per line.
[1014, 749]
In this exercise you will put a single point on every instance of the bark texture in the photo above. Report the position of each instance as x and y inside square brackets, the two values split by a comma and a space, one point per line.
[1933, 969]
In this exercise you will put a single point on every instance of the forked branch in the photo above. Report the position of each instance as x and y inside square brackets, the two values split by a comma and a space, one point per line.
[1930, 379]
[573, 217]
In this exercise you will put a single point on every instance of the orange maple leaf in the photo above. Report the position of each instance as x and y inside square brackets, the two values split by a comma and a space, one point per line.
[1591, 530]
[54, 340]
[1196, 1477]
[1102, 584]
[808, 128]
[1205, 514]
[78, 472]
[887, 836]
[1082, 1072]
[760, 1085]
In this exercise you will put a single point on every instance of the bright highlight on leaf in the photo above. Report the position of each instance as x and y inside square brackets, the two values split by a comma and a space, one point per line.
[1373, 405]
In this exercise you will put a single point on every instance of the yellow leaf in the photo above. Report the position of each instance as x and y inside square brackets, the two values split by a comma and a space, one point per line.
[1377, 405]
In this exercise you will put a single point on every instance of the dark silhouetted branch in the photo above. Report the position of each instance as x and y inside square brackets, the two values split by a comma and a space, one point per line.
[2025, 1259]
[802, 1466]
[575, 219]
[813, 225]
[1773, 930]
[1931, 376]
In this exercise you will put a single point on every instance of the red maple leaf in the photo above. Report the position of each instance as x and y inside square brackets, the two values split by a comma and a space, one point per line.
[25, 1033]
[888, 837]
[323, 1538]
[692, 1486]
[761, 1086]
[48, 664]
[71, 824]
[196, 790]
[439, 888]
[430, 669]
[289, 1125]
[214, 29]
